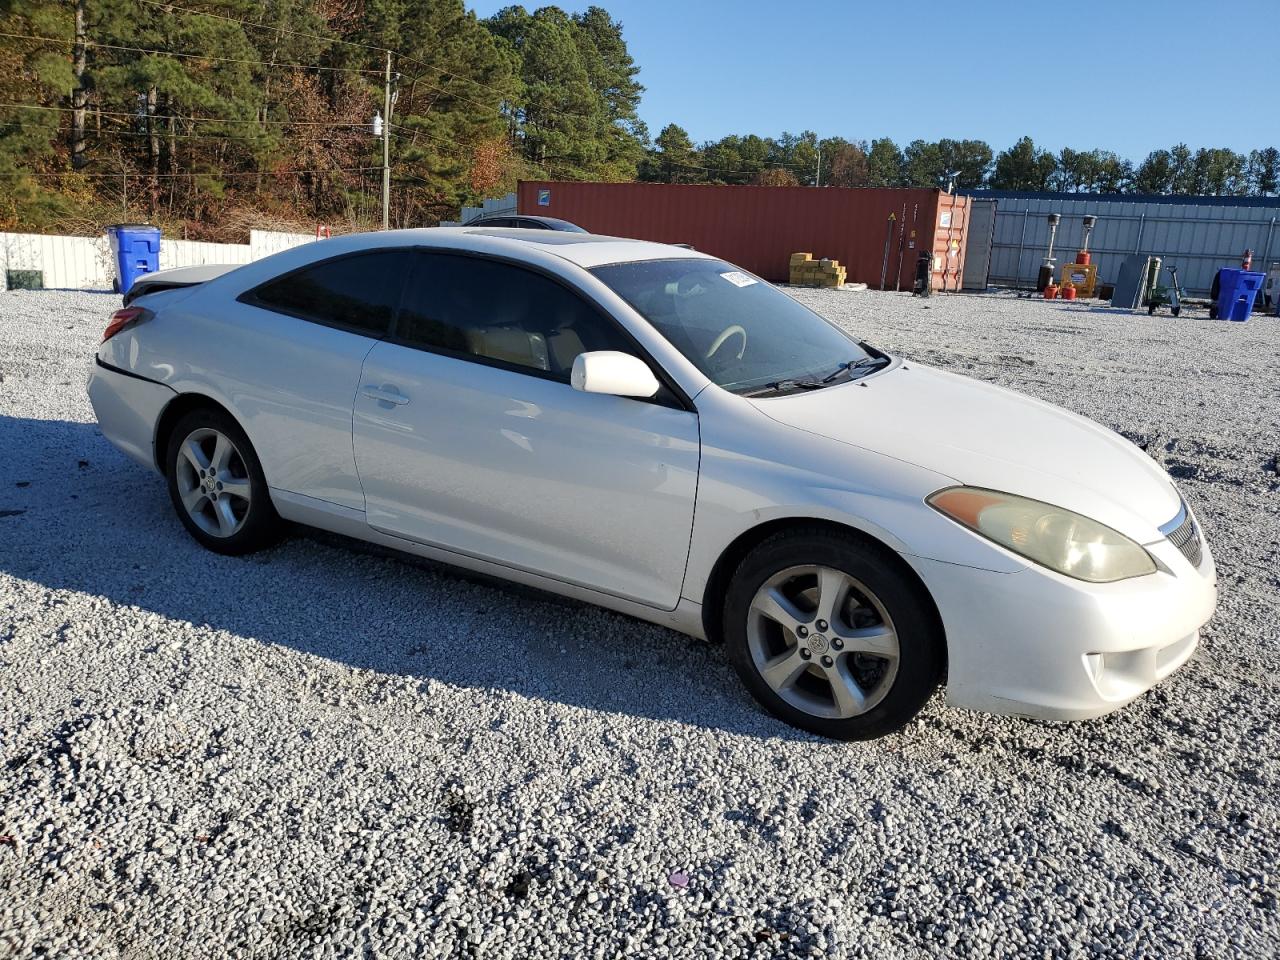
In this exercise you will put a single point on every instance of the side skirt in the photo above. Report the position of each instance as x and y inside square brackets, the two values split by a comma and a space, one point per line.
[685, 618]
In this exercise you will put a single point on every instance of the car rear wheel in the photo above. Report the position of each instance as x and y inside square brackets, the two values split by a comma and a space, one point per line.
[217, 485]
[830, 635]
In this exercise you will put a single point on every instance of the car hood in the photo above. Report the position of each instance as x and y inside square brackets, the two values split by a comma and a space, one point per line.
[986, 436]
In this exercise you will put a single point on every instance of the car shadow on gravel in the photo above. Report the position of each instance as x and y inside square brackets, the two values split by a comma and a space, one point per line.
[77, 515]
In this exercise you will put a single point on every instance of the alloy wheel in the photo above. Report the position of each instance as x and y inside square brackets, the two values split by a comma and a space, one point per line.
[822, 641]
[213, 482]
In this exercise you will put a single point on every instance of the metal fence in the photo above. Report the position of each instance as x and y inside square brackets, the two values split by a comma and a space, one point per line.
[85, 263]
[497, 207]
[1199, 235]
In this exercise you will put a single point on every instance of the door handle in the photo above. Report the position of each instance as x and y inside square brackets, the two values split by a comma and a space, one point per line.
[387, 394]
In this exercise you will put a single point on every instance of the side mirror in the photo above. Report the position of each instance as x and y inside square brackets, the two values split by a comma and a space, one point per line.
[613, 372]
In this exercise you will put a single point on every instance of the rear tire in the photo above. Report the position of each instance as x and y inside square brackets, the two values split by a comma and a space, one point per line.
[217, 485]
[830, 635]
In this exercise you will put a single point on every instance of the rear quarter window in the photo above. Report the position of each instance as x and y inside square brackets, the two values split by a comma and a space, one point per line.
[359, 292]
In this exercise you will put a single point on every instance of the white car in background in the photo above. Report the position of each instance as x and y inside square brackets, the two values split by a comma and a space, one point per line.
[658, 432]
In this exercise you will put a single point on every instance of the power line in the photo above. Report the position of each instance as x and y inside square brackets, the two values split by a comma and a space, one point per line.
[406, 130]
[163, 135]
[184, 54]
[189, 176]
[145, 116]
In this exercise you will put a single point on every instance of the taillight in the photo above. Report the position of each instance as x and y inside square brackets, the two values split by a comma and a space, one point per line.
[121, 319]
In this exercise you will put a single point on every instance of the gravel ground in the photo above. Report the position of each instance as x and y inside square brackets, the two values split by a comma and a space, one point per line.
[322, 752]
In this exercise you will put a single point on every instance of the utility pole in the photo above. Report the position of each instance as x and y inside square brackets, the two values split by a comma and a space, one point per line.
[817, 179]
[386, 149]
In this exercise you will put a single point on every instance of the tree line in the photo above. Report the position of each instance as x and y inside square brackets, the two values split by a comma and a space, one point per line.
[806, 160]
[205, 115]
[192, 111]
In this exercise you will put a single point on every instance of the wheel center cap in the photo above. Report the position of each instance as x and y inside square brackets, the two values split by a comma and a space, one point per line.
[817, 643]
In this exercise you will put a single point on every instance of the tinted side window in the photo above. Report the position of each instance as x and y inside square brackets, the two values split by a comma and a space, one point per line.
[359, 292]
[499, 312]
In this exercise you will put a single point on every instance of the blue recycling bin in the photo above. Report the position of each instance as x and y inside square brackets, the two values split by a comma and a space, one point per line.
[136, 250]
[1237, 290]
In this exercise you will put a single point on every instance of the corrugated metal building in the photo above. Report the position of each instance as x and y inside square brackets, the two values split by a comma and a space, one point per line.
[1197, 234]
[875, 233]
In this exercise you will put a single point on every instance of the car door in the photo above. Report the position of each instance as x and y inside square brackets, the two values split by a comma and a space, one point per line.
[468, 435]
[289, 355]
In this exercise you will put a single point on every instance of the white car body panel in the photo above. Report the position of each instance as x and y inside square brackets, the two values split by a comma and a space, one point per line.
[991, 437]
[1018, 643]
[592, 489]
[198, 273]
[289, 383]
[631, 504]
[686, 617]
[128, 408]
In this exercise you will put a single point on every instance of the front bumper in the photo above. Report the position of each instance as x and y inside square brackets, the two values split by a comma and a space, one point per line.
[128, 407]
[1038, 644]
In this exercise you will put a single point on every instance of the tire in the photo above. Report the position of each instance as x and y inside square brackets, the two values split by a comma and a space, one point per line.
[855, 661]
[230, 511]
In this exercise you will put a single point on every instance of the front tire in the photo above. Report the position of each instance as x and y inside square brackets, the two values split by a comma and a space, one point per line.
[217, 485]
[829, 634]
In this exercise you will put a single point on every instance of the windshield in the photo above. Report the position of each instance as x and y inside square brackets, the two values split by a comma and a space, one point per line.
[744, 334]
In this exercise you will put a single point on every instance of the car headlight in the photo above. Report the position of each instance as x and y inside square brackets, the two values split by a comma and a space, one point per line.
[1048, 535]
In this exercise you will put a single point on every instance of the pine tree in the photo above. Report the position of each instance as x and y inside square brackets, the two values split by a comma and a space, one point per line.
[1023, 167]
[884, 164]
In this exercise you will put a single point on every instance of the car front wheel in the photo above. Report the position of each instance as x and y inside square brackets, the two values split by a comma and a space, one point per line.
[217, 485]
[830, 635]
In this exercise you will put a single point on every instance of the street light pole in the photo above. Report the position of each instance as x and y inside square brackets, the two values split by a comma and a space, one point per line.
[386, 148]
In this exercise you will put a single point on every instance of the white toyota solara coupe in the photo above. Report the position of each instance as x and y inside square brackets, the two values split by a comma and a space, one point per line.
[655, 431]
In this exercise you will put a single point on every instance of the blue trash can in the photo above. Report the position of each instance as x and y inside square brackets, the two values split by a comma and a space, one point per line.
[1237, 289]
[136, 250]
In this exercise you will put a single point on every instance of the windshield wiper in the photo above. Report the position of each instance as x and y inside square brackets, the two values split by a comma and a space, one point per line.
[874, 360]
[863, 363]
[789, 384]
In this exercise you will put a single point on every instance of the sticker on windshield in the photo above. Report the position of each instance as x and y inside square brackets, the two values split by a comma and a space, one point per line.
[739, 279]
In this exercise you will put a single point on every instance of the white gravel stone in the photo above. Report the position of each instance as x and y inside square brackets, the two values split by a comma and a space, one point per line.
[300, 754]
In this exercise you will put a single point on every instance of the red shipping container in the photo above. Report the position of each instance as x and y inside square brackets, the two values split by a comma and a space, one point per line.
[758, 228]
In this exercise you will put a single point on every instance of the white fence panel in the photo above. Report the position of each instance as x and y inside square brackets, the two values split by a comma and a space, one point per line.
[194, 253]
[85, 263]
[263, 243]
[65, 262]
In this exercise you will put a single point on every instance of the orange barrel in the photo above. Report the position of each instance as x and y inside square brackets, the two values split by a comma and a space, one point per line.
[1083, 257]
[1068, 292]
[1050, 291]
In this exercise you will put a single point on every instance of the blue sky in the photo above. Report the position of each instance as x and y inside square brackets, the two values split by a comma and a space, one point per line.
[1150, 76]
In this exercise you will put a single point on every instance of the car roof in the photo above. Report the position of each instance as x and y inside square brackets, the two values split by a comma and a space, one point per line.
[584, 249]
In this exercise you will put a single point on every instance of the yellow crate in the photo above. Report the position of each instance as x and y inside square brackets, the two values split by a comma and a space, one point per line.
[1082, 276]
